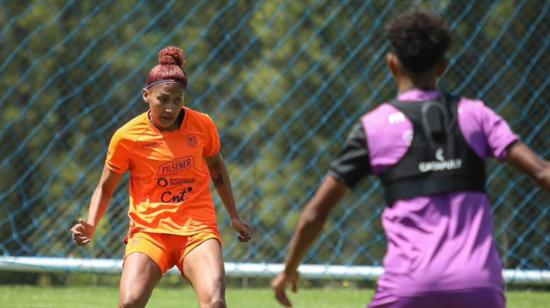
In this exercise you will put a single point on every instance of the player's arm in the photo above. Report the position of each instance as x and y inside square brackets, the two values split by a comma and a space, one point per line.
[310, 225]
[527, 161]
[349, 167]
[504, 144]
[312, 220]
[83, 231]
[220, 178]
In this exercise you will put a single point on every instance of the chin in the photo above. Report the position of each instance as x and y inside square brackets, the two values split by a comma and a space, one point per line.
[167, 126]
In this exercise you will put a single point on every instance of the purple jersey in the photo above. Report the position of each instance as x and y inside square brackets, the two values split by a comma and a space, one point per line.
[438, 243]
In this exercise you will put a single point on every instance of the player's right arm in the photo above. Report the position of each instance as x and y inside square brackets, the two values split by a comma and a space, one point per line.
[524, 159]
[310, 225]
[83, 231]
[351, 165]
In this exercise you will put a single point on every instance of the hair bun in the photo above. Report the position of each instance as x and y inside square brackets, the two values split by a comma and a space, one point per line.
[172, 55]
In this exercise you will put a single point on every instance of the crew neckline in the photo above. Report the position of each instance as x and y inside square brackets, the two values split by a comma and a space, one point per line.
[156, 129]
[418, 94]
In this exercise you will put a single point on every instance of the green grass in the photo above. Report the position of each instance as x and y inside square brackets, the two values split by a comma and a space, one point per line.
[96, 297]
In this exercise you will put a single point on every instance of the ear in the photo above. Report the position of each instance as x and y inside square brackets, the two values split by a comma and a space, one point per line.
[393, 63]
[145, 95]
[442, 67]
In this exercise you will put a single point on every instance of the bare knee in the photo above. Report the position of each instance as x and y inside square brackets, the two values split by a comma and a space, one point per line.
[130, 300]
[213, 298]
[218, 303]
[213, 302]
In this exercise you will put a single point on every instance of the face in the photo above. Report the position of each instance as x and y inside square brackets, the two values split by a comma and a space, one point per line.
[165, 102]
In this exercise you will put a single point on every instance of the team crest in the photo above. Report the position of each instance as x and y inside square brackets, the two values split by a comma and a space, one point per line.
[192, 140]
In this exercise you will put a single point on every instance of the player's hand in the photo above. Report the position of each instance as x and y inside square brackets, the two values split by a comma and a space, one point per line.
[280, 283]
[82, 232]
[244, 229]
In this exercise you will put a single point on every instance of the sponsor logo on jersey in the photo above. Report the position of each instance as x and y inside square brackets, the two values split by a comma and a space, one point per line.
[440, 164]
[396, 117]
[175, 166]
[176, 197]
[165, 182]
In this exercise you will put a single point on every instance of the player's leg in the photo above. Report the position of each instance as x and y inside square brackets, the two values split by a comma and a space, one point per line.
[203, 267]
[146, 259]
[139, 276]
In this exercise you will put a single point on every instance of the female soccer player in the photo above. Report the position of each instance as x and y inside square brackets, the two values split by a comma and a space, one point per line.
[429, 149]
[171, 152]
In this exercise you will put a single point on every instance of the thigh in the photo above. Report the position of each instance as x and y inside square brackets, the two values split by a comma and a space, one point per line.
[140, 274]
[203, 267]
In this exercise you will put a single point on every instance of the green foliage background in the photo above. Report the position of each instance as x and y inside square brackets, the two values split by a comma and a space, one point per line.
[284, 81]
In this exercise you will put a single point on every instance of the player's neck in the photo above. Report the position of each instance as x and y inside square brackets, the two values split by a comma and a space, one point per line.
[406, 83]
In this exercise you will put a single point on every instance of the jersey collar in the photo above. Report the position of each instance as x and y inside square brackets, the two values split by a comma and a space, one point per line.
[418, 95]
[154, 128]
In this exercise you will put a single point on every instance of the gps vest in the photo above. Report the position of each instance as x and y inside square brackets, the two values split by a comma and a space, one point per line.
[439, 160]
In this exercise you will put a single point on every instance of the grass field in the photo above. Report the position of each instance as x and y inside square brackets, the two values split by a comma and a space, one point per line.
[96, 297]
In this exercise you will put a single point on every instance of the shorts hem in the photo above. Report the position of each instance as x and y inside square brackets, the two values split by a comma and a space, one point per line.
[148, 256]
[216, 237]
[213, 236]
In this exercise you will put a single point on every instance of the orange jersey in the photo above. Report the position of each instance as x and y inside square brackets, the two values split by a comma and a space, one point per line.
[169, 177]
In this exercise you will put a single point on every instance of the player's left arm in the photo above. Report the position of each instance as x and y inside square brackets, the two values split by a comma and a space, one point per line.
[527, 161]
[220, 178]
[505, 145]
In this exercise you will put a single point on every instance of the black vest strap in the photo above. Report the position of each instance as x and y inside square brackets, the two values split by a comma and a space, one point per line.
[439, 160]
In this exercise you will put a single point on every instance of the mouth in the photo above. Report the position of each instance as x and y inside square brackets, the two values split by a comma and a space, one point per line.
[167, 118]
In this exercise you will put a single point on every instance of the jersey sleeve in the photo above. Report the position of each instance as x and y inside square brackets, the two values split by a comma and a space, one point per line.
[118, 159]
[353, 163]
[213, 144]
[498, 133]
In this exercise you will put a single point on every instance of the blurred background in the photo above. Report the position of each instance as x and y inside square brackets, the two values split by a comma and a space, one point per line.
[283, 80]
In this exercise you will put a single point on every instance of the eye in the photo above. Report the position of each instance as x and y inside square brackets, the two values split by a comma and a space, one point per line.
[178, 100]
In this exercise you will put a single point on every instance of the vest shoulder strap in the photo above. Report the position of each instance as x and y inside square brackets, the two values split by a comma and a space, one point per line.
[439, 160]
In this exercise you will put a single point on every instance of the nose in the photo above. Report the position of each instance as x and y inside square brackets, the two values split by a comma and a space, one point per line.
[170, 107]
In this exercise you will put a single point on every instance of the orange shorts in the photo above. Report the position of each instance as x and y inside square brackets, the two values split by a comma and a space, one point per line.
[167, 250]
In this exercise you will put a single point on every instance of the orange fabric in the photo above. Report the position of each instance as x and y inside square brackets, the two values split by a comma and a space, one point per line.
[169, 178]
[167, 250]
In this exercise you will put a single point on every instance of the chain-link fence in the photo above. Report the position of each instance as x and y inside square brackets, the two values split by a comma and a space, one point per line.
[284, 81]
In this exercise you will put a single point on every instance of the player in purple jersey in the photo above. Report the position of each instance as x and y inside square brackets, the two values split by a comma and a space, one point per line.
[429, 150]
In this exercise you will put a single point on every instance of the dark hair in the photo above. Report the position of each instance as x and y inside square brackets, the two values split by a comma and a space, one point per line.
[170, 68]
[419, 40]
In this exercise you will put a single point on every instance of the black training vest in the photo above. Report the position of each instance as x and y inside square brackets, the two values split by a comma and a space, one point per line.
[439, 160]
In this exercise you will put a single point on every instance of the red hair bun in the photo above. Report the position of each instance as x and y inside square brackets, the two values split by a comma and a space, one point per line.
[171, 55]
[171, 67]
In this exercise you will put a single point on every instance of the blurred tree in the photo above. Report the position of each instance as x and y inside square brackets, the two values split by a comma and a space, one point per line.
[284, 81]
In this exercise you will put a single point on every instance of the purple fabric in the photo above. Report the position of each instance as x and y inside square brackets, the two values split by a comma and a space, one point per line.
[475, 298]
[443, 242]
